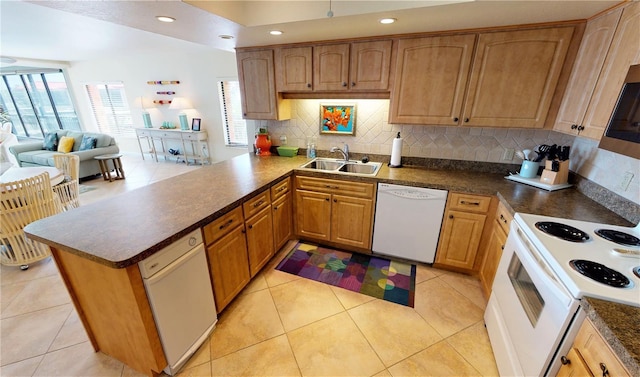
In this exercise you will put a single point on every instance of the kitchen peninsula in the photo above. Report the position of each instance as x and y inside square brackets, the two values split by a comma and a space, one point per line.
[96, 247]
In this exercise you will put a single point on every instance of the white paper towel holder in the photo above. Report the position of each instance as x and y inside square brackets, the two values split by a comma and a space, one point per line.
[399, 150]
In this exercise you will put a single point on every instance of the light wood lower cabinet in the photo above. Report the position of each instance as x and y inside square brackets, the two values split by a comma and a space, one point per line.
[282, 210]
[282, 225]
[229, 265]
[259, 228]
[494, 248]
[462, 231]
[237, 248]
[591, 356]
[228, 258]
[334, 211]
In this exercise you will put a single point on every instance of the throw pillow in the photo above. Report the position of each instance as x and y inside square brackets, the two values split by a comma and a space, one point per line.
[88, 142]
[66, 144]
[50, 141]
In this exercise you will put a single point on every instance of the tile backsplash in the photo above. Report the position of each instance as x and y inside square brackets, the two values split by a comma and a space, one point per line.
[374, 135]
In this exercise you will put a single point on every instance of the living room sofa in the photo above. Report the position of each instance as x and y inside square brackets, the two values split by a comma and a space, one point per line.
[35, 154]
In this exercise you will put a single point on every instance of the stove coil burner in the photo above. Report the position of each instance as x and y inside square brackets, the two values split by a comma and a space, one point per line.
[600, 273]
[636, 271]
[618, 237]
[562, 231]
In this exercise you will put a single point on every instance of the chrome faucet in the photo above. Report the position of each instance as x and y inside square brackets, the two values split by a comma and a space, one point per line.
[345, 151]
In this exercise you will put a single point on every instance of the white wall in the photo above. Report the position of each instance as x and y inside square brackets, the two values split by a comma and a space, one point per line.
[197, 72]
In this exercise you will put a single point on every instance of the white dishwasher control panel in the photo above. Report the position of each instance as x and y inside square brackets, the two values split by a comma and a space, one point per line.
[164, 257]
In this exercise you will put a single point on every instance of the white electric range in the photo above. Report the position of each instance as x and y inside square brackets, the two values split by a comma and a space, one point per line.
[589, 245]
[534, 311]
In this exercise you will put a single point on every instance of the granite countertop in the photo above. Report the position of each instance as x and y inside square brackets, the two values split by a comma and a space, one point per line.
[167, 210]
[163, 212]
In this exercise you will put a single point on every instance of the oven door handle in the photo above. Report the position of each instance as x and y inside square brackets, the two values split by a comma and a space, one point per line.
[560, 292]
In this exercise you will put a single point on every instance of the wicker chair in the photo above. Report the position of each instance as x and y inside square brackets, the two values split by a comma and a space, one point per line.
[69, 190]
[21, 203]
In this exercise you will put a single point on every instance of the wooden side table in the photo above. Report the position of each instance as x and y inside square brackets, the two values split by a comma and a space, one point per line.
[104, 159]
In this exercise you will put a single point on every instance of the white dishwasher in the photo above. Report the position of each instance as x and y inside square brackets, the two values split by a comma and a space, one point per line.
[178, 287]
[407, 221]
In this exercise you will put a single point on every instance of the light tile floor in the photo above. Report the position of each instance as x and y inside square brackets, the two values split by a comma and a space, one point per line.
[280, 325]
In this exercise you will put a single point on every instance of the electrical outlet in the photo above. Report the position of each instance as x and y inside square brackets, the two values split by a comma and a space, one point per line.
[508, 154]
[626, 180]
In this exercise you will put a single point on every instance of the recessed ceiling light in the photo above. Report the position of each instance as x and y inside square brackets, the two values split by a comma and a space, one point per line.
[225, 36]
[275, 32]
[388, 20]
[165, 18]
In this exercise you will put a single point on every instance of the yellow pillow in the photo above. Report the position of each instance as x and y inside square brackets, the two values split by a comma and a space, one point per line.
[65, 145]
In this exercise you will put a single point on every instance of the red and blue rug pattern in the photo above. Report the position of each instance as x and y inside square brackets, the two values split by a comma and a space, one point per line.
[370, 275]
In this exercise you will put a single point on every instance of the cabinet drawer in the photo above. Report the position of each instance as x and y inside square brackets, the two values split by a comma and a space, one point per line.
[503, 217]
[469, 203]
[595, 351]
[171, 135]
[280, 189]
[193, 136]
[332, 186]
[257, 203]
[220, 227]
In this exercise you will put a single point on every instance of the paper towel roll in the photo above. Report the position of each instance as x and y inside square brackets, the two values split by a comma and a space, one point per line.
[396, 152]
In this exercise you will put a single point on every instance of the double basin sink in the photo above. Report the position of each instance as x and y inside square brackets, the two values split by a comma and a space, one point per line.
[351, 167]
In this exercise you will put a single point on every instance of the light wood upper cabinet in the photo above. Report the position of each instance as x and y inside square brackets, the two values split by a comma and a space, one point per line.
[514, 77]
[294, 69]
[370, 65]
[257, 86]
[510, 81]
[430, 79]
[624, 52]
[331, 67]
[584, 76]
[357, 66]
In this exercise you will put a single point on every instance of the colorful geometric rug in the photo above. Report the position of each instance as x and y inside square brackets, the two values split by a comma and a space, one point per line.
[373, 276]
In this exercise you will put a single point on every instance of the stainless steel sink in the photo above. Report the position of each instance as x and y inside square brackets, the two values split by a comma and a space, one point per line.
[320, 164]
[360, 168]
[350, 167]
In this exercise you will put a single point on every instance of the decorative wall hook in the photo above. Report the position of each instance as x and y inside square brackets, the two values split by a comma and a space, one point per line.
[162, 82]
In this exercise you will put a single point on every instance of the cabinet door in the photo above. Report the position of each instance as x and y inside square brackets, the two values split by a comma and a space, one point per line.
[313, 214]
[489, 266]
[282, 225]
[624, 52]
[351, 221]
[460, 238]
[229, 266]
[257, 86]
[584, 75]
[294, 69]
[514, 77]
[331, 67]
[260, 240]
[596, 353]
[575, 368]
[369, 68]
[430, 79]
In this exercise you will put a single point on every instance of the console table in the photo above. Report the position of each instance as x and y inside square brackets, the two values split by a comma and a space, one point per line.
[193, 143]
